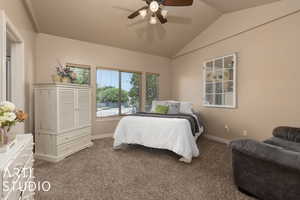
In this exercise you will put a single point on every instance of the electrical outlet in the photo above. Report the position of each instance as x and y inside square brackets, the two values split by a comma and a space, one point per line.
[245, 133]
[227, 128]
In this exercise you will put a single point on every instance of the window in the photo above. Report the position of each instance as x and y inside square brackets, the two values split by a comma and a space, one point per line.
[220, 82]
[118, 92]
[83, 73]
[152, 89]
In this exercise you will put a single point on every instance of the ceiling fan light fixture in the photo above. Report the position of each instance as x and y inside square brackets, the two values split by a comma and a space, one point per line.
[164, 13]
[143, 13]
[154, 6]
[153, 20]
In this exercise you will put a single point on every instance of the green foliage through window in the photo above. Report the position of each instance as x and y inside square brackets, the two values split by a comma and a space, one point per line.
[152, 89]
[117, 92]
[112, 95]
[82, 75]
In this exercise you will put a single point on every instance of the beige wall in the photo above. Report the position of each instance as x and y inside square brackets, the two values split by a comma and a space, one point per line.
[268, 44]
[16, 12]
[237, 22]
[50, 48]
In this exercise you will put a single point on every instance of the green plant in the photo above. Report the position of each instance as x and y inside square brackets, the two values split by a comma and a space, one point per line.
[65, 72]
[152, 88]
[134, 91]
[111, 95]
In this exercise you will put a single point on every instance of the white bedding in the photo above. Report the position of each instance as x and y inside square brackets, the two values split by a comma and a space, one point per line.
[162, 133]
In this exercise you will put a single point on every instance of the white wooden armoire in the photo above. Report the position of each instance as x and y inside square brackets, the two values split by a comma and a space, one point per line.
[62, 120]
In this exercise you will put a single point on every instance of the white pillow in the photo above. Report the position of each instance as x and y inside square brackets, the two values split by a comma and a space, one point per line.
[186, 107]
[174, 107]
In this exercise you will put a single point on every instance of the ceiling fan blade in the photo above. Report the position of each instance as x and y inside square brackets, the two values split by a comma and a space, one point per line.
[123, 9]
[161, 18]
[136, 13]
[177, 2]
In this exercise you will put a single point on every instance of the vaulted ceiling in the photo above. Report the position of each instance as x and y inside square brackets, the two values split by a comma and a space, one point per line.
[105, 22]
[226, 6]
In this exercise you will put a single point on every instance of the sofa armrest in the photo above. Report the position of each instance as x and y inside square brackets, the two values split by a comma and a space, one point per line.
[270, 153]
[287, 133]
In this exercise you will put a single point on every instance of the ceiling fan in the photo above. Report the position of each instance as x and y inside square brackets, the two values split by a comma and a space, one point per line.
[155, 8]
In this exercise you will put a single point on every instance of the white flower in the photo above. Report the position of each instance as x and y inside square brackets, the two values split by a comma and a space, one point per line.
[7, 106]
[2, 118]
[11, 117]
[8, 116]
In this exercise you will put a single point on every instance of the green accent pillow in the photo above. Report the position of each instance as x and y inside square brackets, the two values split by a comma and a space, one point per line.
[161, 109]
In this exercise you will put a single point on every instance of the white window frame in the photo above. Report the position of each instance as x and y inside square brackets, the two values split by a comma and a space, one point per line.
[9, 31]
[234, 105]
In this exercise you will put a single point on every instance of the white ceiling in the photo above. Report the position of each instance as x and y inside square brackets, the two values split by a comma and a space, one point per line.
[105, 22]
[235, 5]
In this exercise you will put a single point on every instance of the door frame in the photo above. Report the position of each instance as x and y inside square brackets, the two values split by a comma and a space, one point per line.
[9, 31]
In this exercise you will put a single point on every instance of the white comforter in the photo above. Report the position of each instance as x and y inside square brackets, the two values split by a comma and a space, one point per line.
[163, 133]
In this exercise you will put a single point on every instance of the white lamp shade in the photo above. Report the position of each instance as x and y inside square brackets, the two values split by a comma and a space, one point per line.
[164, 13]
[153, 20]
[143, 13]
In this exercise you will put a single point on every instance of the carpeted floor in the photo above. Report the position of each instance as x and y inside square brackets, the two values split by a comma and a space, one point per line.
[138, 173]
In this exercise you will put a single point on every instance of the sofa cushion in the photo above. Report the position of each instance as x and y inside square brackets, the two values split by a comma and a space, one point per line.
[267, 152]
[287, 133]
[288, 145]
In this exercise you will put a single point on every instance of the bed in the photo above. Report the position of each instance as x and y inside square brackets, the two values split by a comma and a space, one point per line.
[175, 132]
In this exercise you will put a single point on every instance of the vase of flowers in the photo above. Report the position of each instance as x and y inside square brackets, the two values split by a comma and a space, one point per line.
[56, 78]
[9, 116]
[66, 74]
[3, 137]
[66, 80]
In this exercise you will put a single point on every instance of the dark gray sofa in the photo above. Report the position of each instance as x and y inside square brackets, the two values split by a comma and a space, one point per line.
[269, 170]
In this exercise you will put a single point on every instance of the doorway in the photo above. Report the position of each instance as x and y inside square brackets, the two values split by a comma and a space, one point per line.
[12, 78]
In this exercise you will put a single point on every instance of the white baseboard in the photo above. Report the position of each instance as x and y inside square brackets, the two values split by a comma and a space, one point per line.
[217, 139]
[55, 159]
[48, 158]
[102, 136]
